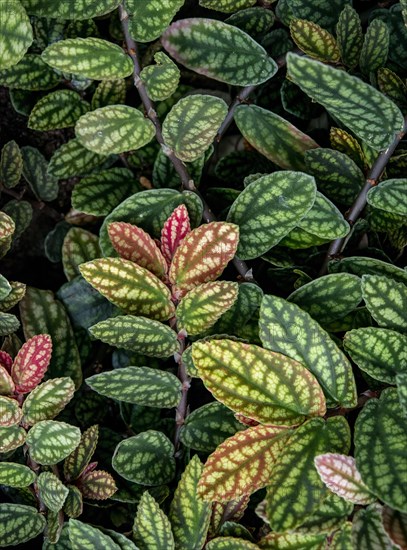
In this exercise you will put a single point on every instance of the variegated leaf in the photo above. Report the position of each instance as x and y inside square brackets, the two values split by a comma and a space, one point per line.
[10, 412]
[60, 109]
[80, 457]
[50, 442]
[16, 34]
[395, 525]
[16, 295]
[293, 541]
[175, 229]
[11, 164]
[7, 386]
[79, 246]
[349, 35]
[368, 532]
[48, 399]
[386, 300]
[73, 506]
[226, 6]
[161, 80]
[389, 196]
[230, 543]
[16, 475]
[152, 529]
[83, 535]
[263, 385]
[52, 491]
[315, 41]
[31, 362]
[19, 523]
[11, 438]
[70, 9]
[97, 485]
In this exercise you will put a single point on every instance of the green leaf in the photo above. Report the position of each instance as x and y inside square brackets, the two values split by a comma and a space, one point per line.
[16, 34]
[394, 524]
[269, 208]
[42, 314]
[360, 265]
[349, 36]
[8, 324]
[375, 47]
[390, 84]
[254, 21]
[11, 164]
[286, 328]
[11, 438]
[191, 125]
[21, 212]
[330, 297]
[380, 458]
[16, 475]
[152, 529]
[139, 386]
[50, 441]
[294, 478]
[230, 543]
[273, 136]
[137, 334]
[83, 536]
[314, 40]
[149, 18]
[323, 12]
[73, 506]
[162, 79]
[109, 92]
[189, 515]
[19, 523]
[367, 530]
[262, 385]
[60, 109]
[44, 185]
[401, 381]
[10, 412]
[31, 73]
[342, 539]
[219, 51]
[47, 400]
[207, 427]
[80, 457]
[114, 129]
[130, 287]
[79, 246]
[390, 352]
[370, 114]
[146, 458]
[243, 463]
[98, 194]
[202, 306]
[386, 301]
[70, 9]
[5, 287]
[52, 491]
[293, 541]
[226, 6]
[390, 196]
[92, 58]
[72, 159]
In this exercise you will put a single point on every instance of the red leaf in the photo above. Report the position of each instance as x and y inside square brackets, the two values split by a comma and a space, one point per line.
[134, 244]
[246, 420]
[31, 362]
[6, 360]
[175, 229]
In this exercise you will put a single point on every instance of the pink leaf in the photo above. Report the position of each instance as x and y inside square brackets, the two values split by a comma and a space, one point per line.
[175, 229]
[31, 362]
[6, 360]
[134, 244]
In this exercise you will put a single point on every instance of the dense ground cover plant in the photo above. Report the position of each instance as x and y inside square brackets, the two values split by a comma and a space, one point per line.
[203, 294]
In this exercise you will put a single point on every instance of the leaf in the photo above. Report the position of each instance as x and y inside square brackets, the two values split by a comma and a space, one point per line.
[146, 458]
[149, 18]
[73, 506]
[254, 21]
[257, 383]
[50, 441]
[314, 40]
[189, 515]
[109, 92]
[208, 426]
[389, 196]
[381, 460]
[162, 79]
[72, 159]
[8, 324]
[175, 229]
[16, 34]
[390, 84]
[16, 475]
[130, 287]
[386, 301]
[332, 88]
[269, 208]
[330, 297]
[367, 530]
[21, 212]
[5, 287]
[394, 524]
[70, 9]
[191, 125]
[80, 457]
[79, 246]
[16, 294]
[226, 6]
[10, 412]
[287, 329]
[6, 382]
[41, 313]
[294, 477]
[293, 541]
[342, 539]
[52, 491]
[139, 386]
[11, 164]
[341, 476]
[98, 485]
[44, 185]
[134, 244]
[219, 51]
[92, 58]
[31, 73]
[203, 254]
[226, 474]
[98, 194]
[323, 12]
[60, 109]
[48, 399]
[152, 529]
[349, 36]
[375, 48]
[230, 543]
[19, 523]
[11, 438]
[31, 362]
[114, 129]
[360, 265]
[202, 306]
[273, 136]
[390, 352]
[82, 535]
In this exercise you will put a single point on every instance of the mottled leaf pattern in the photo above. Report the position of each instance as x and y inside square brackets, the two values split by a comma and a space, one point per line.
[389, 196]
[149, 18]
[11, 438]
[82, 535]
[31, 362]
[80, 457]
[72, 159]
[52, 491]
[226, 6]
[395, 525]
[16, 34]
[367, 530]
[10, 412]
[375, 46]
[16, 475]
[35, 171]
[314, 40]
[161, 79]
[152, 529]
[50, 441]
[70, 9]
[349, 36]
[19, 523]
[11, 164]
[386, 301]
[175, 229]
[98, 485]
[59, 109]
[293, 541]
[79, 246]
[31, 73]
[48, 399]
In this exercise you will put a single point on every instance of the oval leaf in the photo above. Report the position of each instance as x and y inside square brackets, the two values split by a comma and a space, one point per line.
[152, 528]
[50, 442]
[82, 535]
[19, 523]
[70, 9]
[10, 412]
[386, 301]
[59, 109]
[48, 400]
[16, 34]
[149, 18]
[52, 491]
[31, 362]
[390, 196]
[16, 475]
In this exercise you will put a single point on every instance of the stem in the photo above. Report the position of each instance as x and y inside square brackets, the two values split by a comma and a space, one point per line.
[337, 246]
[182, 408]
[186, 180]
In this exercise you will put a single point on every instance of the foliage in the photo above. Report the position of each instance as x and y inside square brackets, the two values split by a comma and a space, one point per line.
[157, 392]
